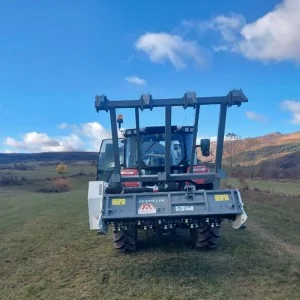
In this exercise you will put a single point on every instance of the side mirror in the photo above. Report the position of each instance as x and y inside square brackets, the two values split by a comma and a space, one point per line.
[205, 147]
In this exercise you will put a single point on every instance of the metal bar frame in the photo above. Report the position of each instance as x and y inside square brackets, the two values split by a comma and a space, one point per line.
[234, 97]
[114, 133]
[168, 113]
[220, 141]
[195, 132]
[186, 176]
[138, 139]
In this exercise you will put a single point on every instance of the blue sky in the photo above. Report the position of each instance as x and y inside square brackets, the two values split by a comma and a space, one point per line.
[55, 56]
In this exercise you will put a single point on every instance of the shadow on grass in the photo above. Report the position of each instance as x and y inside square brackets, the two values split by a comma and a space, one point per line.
[166, 243]
[241, 254]
[171, 258]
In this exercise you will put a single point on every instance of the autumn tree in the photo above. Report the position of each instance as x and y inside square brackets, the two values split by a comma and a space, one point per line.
[251, 150]
[61, 169]
[232, 147]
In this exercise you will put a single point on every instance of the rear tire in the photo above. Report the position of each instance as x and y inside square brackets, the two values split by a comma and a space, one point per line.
[125, 240]
[205, 237]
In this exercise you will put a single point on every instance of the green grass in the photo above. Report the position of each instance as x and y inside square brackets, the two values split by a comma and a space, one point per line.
[274, 186]
[276, 215]
[48, 252]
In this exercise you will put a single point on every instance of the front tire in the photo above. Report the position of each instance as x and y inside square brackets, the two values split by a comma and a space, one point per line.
[125, 240]
[205, 237]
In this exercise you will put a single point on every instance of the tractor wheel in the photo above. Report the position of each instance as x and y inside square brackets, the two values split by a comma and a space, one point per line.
[125, 240]
[205, 237]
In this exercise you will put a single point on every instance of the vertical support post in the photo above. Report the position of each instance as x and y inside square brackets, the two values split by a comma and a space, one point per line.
[114, 132]
[138, 139]
[168, 113]
[220, 141]
[195, 133]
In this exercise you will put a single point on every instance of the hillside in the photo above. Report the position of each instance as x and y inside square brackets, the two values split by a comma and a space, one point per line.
[7, 158]
[281, 149]
[275, 147]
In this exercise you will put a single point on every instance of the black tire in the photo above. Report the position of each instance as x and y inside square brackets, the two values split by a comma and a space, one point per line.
[125, 240]
[205, 237]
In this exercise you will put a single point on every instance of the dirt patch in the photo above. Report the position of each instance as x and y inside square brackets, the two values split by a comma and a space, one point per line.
[56, 185]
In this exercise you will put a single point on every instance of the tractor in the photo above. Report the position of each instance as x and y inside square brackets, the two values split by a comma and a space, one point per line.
[151, 179]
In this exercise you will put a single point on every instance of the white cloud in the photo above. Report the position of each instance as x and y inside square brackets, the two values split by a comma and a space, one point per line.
[228, 26]
[251, 115]
[94, 132]
[273, 37]
[185, 27]
[135, 80]
[87, 136]
[162, 47]
[292, 106]
[63, 125]
[41, 142]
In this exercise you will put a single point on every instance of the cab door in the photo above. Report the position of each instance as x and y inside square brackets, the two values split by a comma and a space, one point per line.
[106, 164]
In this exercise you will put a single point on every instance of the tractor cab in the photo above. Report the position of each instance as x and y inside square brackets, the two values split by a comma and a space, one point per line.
[152, 145]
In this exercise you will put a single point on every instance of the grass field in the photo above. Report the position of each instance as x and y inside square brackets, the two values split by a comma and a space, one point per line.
[48, 252]
[275, 186]
[50, 171]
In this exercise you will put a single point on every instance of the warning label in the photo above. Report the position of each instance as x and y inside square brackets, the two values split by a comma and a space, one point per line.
[147, 208]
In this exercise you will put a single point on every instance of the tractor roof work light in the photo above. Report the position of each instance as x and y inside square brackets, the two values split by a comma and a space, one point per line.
[146, 100]
[190, 98]
[101, 103]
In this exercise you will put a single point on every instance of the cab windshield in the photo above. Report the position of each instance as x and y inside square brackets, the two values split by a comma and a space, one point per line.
[153, 150]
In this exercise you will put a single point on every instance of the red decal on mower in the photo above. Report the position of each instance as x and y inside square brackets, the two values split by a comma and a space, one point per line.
[147, 208]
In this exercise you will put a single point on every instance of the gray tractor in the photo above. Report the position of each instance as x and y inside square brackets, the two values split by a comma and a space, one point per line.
[151, 178]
